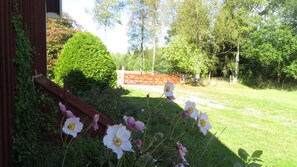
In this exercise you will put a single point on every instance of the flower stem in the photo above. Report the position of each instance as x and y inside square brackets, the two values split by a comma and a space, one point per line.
[61, 126]
[158, 146]
[63, 162]
[149, 117]
[175, 126]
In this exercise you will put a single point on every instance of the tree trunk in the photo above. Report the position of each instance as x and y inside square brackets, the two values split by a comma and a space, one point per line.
[154, 57]
[141, 45]
[236, 65]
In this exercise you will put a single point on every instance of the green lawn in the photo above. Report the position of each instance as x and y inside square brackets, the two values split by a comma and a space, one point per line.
[254, 119]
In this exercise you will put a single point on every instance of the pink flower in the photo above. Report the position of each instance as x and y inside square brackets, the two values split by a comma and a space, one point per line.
[203, 123]
[65, 112]
[138, 143]
[182, 153]
[72, 126]
[168, 91]
[95, 122]
[138, 126]
[180, 165]
[181, 149]
[130, 121]
[186, 114]
[118, 139]
[191, 109]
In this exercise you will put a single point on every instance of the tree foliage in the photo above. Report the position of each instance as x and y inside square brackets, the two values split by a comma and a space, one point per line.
[185, 57]
[85, 61]
[229, 37]
[273, 46]
[106, 13]
[58, 32]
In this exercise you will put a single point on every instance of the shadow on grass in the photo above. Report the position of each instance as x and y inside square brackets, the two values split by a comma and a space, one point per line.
[202, 150]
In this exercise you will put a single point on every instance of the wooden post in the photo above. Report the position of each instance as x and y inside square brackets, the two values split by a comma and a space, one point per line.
[123, 75]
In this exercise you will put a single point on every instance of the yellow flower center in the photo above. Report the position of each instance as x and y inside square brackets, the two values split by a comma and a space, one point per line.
[117, 141]
[71, 126]
[190, 110]
[202, 122]
[167, 89]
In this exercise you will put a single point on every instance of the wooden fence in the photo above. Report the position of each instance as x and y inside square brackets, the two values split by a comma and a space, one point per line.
[148, 79]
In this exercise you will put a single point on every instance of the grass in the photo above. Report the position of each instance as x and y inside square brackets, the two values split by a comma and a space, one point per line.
[254, 119]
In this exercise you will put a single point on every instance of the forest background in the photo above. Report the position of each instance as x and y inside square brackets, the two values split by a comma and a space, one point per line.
[253, 42]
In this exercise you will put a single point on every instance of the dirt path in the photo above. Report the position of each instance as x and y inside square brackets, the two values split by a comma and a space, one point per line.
[180, 96]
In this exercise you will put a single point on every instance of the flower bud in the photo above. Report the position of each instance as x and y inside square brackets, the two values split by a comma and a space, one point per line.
[139, 126]
[186, 114]
[160, 135]
[138, 143]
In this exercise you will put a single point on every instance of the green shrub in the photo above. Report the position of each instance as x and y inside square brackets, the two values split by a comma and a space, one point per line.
[85, 58]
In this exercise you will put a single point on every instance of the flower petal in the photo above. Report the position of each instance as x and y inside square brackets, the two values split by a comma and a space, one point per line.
[168, 92]
[204, 131]
[123, 134]
[195, 113]
[118, 151]
[108, 141]
[69, 114]
[78, 126]
[112, 129]
[127, 146]
[62, 108]
[130, 121]
[207, 126]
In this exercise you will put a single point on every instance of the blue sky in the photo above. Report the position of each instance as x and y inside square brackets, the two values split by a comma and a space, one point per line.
[116, 38]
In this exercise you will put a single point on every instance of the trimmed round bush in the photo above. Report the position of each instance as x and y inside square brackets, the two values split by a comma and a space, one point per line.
[85, 62]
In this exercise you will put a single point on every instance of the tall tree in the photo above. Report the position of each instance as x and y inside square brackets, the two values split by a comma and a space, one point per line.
[138, 32]
[154, 25]
[106, 13]
[193, 21]
[234, 23]
[273, 46]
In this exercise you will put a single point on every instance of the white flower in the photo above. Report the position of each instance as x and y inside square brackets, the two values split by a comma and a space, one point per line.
[168, 89]
[203, 123]
[118, 139]
[72, 126]
[191, 108]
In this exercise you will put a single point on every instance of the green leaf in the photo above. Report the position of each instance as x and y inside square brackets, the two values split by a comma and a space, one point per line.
[254, 164]
[243, 154]
[237, 164]
[257, 154]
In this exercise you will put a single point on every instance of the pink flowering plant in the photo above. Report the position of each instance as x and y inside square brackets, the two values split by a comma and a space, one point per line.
[153, 138]
[141, 142]
[72, 128]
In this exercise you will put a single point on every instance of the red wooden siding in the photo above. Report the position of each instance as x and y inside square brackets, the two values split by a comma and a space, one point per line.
[147, 79]
[7, 81]
[71, 102]
[33, 14]
[34, 21]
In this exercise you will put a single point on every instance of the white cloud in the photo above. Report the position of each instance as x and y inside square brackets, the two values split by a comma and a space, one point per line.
[116, 38]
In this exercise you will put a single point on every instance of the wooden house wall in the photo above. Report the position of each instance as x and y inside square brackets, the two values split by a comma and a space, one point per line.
[33, 14]
[7, 81]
